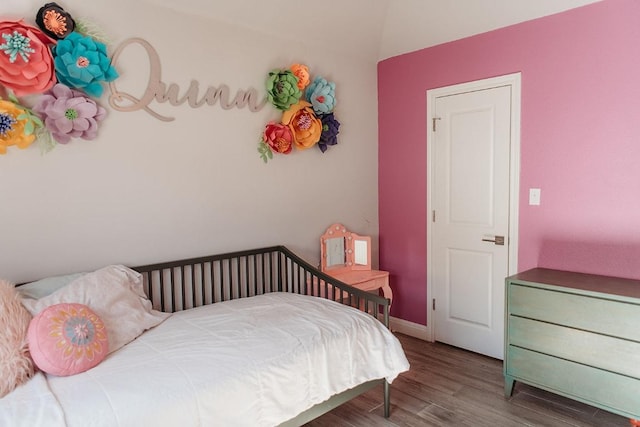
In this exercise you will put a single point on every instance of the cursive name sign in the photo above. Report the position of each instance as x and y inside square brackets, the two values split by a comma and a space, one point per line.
[161, 92]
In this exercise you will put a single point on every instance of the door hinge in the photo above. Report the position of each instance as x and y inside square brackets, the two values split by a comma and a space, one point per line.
[433, 123]
[433, 304]
[433, 216]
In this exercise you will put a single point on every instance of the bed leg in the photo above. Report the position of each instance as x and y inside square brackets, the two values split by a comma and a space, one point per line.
[387, 399]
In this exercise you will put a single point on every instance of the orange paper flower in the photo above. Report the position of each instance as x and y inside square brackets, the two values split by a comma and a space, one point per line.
[12, 129]
[302, 74]
[305, 127]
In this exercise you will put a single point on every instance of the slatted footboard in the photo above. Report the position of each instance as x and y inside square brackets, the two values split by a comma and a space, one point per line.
[189, 283]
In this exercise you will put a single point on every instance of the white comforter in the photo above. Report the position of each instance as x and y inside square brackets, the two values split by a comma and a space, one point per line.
[250, 362]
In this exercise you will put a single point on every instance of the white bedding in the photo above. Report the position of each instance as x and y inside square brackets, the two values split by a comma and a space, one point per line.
[250, 362]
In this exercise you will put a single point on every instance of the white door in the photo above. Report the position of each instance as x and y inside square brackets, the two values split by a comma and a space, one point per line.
[470, 217]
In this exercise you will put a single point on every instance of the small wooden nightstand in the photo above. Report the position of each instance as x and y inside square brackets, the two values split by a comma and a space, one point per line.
[367, 280]
[347, 257]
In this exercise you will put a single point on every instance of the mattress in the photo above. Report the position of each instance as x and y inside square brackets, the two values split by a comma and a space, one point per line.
[255, 361]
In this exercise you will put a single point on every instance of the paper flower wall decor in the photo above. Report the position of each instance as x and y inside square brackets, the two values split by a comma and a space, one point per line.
[61, 68]
[26, 63]
[17, 126]
[282, 89]
[54, 21]
[69, 113]
[82, 63]
[307, 117]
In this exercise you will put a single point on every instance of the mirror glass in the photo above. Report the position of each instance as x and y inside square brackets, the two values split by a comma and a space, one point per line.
[360, 252]
[335, 251]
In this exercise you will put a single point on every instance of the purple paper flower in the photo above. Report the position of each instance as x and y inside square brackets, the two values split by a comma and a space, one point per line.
[69, 113]
[330, 130]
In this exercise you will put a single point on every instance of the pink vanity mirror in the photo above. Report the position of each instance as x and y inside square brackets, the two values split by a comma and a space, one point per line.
[342, 250]
[347, 256]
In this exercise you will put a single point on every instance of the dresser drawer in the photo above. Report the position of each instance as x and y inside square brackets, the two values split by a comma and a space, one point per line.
[600, 351]
[594, 386]
[600, 315]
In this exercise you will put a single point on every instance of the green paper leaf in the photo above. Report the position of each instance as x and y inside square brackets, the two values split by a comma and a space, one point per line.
[90, 29]
[29, 128]
[45, 141]
[265, 151]
[37, 121]
[263, 148]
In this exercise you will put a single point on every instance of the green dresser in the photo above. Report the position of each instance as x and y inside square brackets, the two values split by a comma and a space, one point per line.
[577, 335]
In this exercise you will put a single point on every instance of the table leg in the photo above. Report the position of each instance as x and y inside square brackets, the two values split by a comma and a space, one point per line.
[387, 293]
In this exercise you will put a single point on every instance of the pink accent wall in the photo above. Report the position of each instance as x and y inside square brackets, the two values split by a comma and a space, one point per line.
[580, 143]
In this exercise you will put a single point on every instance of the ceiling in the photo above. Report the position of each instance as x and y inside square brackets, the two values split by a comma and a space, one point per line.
[414, 24]
[372, 29]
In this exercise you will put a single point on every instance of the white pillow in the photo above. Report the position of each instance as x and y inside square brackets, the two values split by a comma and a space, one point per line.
[43, 287]
[115, 294]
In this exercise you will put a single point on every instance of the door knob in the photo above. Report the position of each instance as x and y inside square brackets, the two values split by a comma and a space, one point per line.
[498, 240]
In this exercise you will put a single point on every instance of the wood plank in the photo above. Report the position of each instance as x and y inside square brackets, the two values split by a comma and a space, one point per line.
[447, 386]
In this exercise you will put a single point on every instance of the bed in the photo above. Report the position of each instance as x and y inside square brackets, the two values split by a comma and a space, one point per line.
[255, 338]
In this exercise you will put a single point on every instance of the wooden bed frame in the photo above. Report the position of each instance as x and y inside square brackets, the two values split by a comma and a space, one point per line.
[184, 284]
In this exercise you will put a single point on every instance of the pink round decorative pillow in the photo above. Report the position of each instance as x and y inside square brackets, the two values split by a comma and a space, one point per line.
[66, 339]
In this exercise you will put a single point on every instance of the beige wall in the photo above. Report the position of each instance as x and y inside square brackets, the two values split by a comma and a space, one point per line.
[148, 191]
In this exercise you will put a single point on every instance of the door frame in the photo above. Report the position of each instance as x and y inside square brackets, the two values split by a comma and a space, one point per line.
[513, 80]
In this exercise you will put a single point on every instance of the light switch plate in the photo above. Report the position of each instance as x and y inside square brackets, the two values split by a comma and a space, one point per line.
[534, 196]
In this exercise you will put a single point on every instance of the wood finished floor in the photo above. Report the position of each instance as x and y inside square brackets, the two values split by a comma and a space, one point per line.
[447, 386]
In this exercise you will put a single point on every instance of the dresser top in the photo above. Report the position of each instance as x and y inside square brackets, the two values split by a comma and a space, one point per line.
[358, 276]
[581, 281]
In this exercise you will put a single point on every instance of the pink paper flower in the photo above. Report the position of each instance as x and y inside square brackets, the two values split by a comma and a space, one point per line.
[278, 137]
[26, 64]
[68, 113]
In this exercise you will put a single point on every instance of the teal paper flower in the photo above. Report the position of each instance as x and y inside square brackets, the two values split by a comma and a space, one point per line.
[82, 63]
[282, 89]
[321, 95]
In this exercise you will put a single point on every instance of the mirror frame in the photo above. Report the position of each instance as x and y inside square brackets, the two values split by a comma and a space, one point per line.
[350, 256]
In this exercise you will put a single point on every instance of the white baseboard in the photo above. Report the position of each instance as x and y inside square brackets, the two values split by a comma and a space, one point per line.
[409, 328]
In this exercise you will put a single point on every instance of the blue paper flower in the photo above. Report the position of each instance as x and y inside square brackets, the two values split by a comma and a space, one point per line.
[82, 63]
[322, 95]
